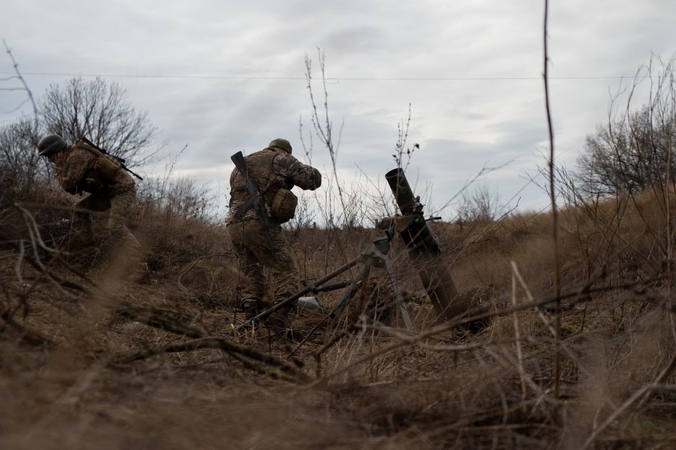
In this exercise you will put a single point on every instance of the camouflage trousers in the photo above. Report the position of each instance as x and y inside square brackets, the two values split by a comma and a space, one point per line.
[118, 208]
[254, 249]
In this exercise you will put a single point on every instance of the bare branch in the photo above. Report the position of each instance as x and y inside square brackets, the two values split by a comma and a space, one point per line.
[21, 78]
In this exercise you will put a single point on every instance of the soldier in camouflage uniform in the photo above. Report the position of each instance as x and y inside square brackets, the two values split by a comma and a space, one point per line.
[275, 171]
[81, 169]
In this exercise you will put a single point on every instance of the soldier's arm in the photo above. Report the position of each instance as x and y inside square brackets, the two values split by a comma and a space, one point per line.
[304, 176]
[74, 170]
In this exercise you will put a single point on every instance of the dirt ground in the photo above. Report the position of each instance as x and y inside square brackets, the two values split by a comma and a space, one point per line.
[101, 359]
[76, 390]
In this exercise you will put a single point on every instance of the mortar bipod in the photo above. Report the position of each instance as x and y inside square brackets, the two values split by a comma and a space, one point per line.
[375, 256]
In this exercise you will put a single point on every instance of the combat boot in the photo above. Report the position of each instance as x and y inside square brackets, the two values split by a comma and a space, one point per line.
[279, 320]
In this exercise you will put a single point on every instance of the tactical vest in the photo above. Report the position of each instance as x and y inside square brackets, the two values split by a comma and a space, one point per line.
[280, 200]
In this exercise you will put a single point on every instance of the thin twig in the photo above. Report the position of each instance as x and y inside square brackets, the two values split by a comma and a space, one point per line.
[159, 319]
[228, 347]
[617, 413]
[552, 196]
[517, 336]
[20, 77]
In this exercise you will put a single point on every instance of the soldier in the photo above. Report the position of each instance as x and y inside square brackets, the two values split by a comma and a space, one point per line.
[275, 171]
[81, 168]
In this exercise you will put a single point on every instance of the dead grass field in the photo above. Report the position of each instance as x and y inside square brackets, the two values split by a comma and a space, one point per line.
[90, 358]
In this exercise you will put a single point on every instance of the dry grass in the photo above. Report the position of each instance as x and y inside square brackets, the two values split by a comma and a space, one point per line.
[364, 383]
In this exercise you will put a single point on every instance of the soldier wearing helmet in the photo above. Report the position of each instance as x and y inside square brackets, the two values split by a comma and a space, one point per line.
[82, 169]
[275, 171]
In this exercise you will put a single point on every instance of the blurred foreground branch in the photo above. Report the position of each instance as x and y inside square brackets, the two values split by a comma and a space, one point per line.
[252, 359]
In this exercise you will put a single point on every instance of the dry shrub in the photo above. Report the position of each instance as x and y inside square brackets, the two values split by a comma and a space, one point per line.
[377, 385]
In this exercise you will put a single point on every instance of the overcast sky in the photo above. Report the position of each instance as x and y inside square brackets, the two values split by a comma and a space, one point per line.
[223, 76]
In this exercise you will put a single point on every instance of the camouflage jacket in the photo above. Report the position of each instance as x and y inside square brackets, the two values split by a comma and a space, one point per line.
[271, 170]
[77, 170]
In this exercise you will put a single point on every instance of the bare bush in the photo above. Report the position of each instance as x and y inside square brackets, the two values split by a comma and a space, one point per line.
[177, 197]
[634, 151]
[480, 204]
[21, 169]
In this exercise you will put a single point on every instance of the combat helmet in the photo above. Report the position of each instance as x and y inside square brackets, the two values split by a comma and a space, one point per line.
[51, 144]
[280, 143]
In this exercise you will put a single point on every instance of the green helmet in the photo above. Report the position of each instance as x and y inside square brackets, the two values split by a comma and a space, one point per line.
[51, 144]
[280, 143]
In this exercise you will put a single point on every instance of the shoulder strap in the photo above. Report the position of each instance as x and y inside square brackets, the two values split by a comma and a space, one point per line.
[89, 148]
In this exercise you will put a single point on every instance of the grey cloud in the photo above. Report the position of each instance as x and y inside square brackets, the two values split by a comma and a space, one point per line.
[460, 125]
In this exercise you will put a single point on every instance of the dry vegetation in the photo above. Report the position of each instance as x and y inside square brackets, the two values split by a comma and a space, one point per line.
[94, 358]
[94, 355]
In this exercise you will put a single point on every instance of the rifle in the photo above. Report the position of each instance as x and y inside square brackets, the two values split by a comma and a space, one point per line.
[254, 201]
[105, 152]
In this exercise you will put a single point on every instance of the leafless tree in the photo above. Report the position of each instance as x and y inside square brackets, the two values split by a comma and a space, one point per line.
[19, 162]
[20, 166]
[633, 152]
[628, 156]
[101, 112]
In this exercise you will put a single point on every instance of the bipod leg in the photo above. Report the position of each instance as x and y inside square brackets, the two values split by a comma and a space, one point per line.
[371, 257]
[397, 295]
[307, 336]
[353, 288]
[351, 291]
[309, 288]
[375, 256]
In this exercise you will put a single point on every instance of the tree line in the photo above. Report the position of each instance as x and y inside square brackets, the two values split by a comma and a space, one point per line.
[631, 152]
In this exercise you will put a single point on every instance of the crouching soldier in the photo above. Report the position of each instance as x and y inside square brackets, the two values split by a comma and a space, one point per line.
[275, 171]
[83, 168]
